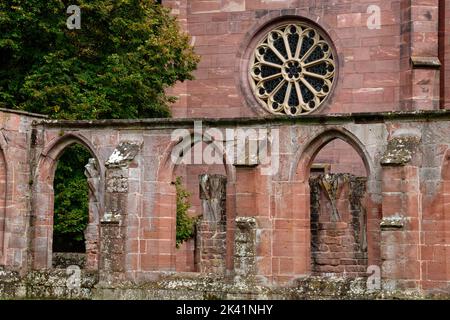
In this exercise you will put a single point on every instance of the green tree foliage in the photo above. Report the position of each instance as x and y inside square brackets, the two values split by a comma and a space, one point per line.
[118, 65]
[71, 211]
[185, 223]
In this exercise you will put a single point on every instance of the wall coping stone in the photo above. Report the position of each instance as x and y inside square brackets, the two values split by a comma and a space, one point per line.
[357, 118]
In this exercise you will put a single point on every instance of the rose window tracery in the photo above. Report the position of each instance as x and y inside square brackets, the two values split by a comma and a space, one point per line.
[292, 69]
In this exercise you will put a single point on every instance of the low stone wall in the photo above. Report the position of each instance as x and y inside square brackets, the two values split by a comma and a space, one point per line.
[65, 259]
[52, 284]
[56, 284]
[174, 287]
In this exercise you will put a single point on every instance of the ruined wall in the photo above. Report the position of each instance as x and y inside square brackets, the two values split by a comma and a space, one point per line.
[270, 220]
[444, 53]
[403, 155]
[388, 52]
[338, 157]
[338, 225]
[15, 142]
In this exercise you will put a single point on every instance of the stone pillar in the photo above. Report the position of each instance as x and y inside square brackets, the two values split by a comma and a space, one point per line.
[211, 228]
[420, 63]
[113, 223]
[400, 232]
[245, 248]
[444, 52]
[91, 233]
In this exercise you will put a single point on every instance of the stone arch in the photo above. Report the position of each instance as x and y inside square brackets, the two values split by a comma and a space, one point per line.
[165, 201]
[304, 156]
[356, 228]
[165, 171]
[43, 200]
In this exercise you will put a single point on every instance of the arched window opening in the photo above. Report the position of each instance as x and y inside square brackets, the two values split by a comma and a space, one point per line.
[337, 183]
[194, 254]
[71, 208]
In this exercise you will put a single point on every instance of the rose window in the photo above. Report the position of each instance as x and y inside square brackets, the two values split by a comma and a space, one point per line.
[292, 70]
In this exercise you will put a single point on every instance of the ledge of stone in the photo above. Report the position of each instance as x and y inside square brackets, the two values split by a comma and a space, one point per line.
[25, 113]
[338, 118]
[394, 222]
[425, 62]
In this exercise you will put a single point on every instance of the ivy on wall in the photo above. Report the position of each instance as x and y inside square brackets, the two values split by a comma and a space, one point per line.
[185, 223]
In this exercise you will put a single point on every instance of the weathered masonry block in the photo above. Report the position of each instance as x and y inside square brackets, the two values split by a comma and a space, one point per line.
[113, 225]
[211, 229]
[245, 248]
[338, 225]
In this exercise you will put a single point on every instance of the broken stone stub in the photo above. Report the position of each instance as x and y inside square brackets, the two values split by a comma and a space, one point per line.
[245, 246]
[400, 150]
[213, 197]
[124, 153]
[116, 181]
[211, 228]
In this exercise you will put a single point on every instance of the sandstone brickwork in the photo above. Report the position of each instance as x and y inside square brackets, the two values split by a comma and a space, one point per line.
[360, 184]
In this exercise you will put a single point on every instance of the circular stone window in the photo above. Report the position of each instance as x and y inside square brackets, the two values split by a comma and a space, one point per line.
[292, 69]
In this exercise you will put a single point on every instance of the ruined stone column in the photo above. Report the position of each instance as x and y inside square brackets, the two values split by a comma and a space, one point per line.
[245, 248]
[400, 233]
[211, 228]
[419, 55]
[113, 222]
[91, 233]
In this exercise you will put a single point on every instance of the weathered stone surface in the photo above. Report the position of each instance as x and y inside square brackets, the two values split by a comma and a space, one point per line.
[116, 181]
[245, 249]
[400, 150]
[338, 225]
[62, 260]
[125, 152]
[385, 117]
[394, 222]
[426, 62]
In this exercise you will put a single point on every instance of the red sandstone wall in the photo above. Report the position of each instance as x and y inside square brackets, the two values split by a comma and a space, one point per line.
[369, 59]
[185, 257]
[434, 253]
[342, 158]
[445, 54]
[338, 246]
[190, 174]
[14, 180]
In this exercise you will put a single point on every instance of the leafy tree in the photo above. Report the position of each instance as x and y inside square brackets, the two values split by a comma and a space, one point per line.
[185, 223]
[118, 65]
[71, 211]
